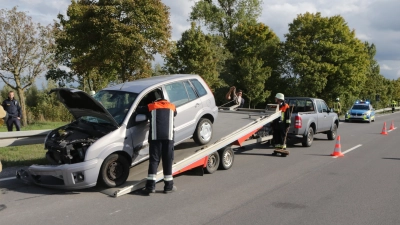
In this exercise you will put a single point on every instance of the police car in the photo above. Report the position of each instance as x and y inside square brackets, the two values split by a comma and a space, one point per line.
[361, 111]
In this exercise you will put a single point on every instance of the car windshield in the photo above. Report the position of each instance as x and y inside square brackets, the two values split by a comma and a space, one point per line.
[117, 104]
[362, 107]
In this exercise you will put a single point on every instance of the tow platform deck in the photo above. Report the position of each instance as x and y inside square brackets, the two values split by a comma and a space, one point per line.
[239, 125]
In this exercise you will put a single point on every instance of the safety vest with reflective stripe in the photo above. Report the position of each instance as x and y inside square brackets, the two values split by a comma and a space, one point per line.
[284, 108]
[162, 120]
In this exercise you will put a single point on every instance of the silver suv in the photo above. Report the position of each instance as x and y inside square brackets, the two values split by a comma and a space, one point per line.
[108, 136]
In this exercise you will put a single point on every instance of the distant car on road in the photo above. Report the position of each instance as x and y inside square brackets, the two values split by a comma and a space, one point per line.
[361, 111]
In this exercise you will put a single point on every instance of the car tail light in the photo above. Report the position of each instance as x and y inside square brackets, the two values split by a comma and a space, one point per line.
[297, 122]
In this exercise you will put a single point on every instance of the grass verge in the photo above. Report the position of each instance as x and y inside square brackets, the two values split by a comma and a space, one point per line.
[25, 155]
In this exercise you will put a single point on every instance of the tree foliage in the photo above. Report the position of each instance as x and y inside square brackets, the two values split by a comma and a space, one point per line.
[198, 53]
[255, 50]
[325, 57]
[110, 40]
[223, 16]
[26, 51]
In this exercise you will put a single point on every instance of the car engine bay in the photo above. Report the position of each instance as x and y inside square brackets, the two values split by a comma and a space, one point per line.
[68, 144]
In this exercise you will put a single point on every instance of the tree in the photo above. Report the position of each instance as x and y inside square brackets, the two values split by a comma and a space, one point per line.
[255, 50]
[223, 16]
[371, 85]
[198, 53]
[26, 51]
[113, 40]
[325, 57]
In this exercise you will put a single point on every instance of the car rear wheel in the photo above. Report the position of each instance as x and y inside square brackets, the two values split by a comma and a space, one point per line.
[203, 133]
[114, 170]
[308, 138]
[332, 133]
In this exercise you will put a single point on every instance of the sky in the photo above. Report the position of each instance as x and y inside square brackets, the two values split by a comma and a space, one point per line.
[375, 21]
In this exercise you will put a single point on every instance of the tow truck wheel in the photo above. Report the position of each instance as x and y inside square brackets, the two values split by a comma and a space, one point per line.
[308, 138]
[226, 156]
[212, 163]
[114, 170]
[203, 133]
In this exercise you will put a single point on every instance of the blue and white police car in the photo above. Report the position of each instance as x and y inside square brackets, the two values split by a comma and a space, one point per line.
[361, 111]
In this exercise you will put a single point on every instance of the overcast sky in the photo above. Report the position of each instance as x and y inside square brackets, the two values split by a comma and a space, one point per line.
[375, 21]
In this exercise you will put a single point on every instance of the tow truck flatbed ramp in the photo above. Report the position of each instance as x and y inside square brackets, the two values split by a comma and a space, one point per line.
[239, 125]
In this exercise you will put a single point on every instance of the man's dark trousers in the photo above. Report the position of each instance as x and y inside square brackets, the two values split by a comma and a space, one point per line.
[161, 149]
[11, 121]
[279, 134]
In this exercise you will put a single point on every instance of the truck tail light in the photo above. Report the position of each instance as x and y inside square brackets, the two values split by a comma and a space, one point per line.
[297, 122]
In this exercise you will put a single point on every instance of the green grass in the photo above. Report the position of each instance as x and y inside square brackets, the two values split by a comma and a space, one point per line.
[26, 155]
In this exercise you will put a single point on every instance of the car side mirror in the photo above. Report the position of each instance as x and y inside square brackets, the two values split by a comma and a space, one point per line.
[140, 118]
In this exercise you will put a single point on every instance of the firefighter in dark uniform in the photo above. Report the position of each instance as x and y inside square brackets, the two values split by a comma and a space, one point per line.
[161, 142]
[281, 124]
[13, 109]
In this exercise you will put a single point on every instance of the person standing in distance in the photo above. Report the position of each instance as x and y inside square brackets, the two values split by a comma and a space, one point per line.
[161, 143]
[13, 109]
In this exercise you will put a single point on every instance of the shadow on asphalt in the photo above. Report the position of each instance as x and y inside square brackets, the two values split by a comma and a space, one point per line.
[392, 158]
[319, 154]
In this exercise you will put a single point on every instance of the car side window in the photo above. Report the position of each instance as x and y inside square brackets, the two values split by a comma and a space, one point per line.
[190, 91]
[199, 87]
[177, 93]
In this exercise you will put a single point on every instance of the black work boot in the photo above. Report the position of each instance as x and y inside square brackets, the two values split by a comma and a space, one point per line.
[150, 186]
[169, 187]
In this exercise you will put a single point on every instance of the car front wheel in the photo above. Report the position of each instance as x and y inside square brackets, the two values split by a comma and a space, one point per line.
[114, 170]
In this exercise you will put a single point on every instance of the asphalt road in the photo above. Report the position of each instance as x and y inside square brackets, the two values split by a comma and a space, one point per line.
[307, 187]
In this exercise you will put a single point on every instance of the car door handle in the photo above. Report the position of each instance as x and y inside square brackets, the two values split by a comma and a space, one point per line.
[197, 104]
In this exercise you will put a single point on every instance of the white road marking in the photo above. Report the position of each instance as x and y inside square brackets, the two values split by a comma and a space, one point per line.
[349, 150]
[8, 178]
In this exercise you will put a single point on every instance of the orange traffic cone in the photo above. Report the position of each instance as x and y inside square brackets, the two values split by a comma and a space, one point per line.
[391, 126]
[384, 132]
[338, 149]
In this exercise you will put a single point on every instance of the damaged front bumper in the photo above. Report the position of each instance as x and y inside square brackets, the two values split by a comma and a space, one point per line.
[67, 176]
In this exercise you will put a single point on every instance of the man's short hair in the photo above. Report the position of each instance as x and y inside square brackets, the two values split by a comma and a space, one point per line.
[10, 92]
[240, 90]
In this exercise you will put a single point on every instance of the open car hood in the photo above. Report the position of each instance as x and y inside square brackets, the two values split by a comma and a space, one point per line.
[80, 104]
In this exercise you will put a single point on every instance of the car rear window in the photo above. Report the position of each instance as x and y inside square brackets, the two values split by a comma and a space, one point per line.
[201, 91]
[301, 105]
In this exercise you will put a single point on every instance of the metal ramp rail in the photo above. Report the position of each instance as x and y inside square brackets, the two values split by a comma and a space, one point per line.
[266, 116]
